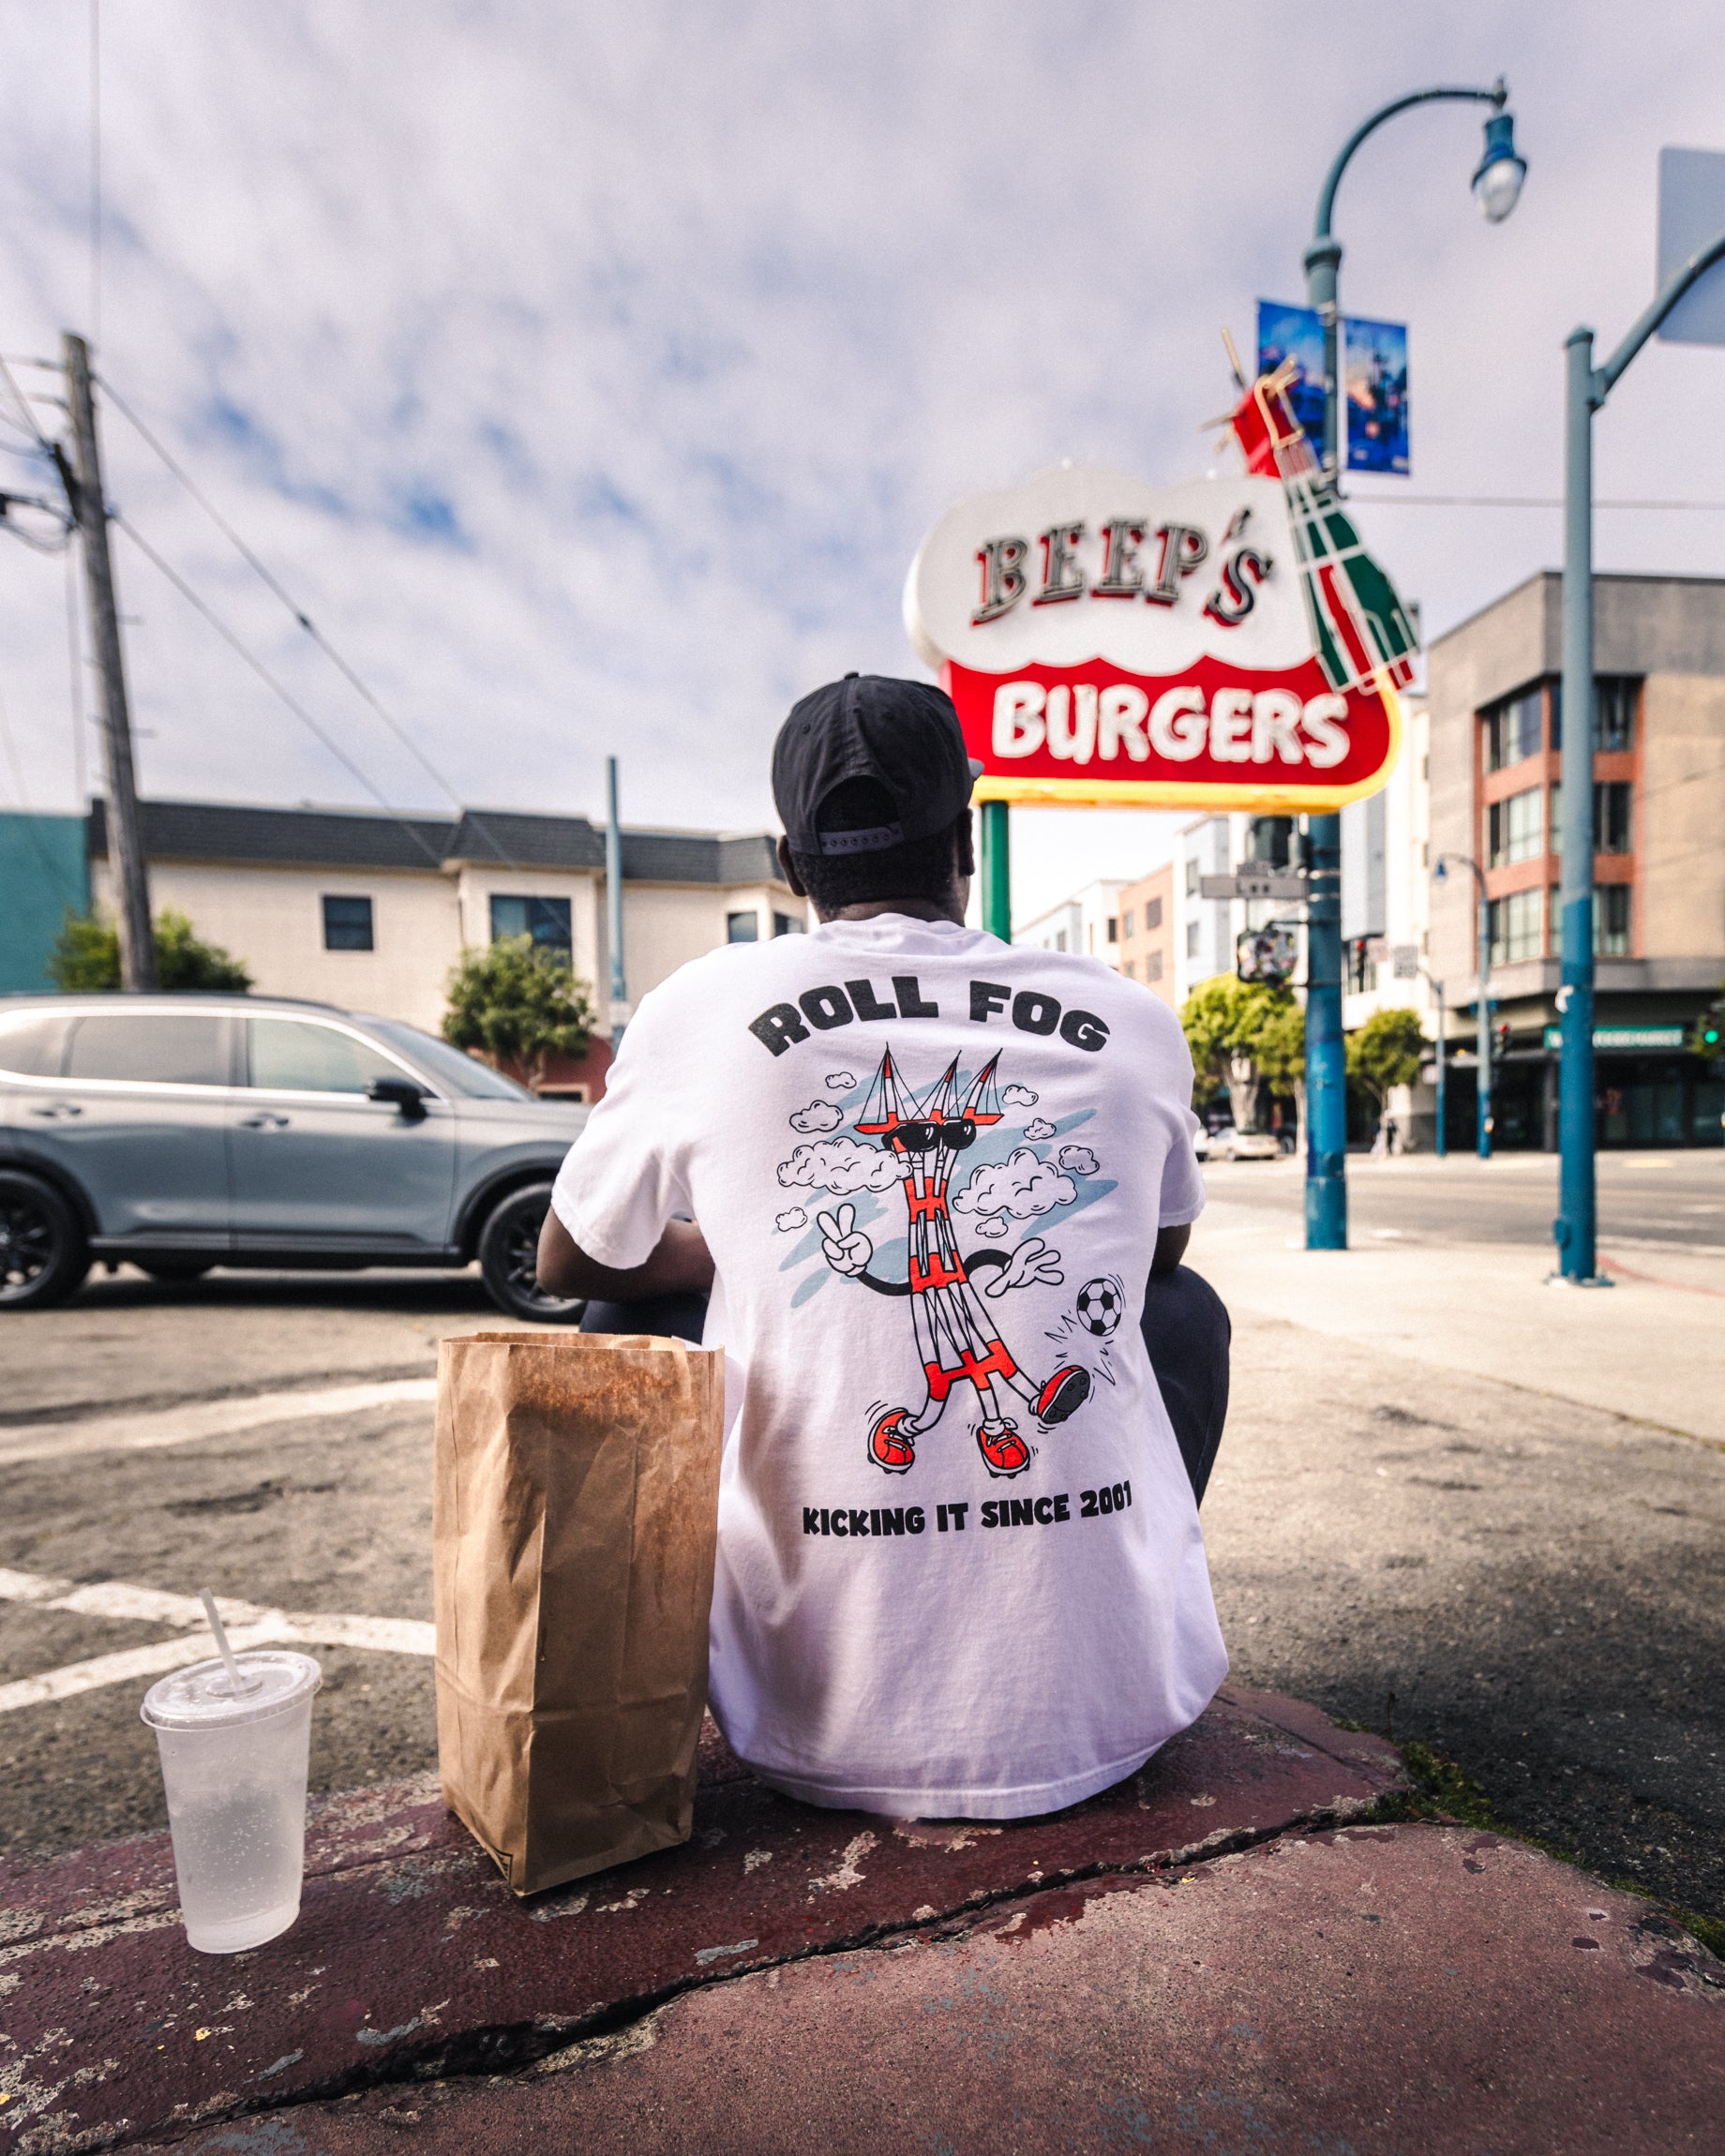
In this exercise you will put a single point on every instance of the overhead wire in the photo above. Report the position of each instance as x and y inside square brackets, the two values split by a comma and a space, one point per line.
[273, 582]
[269, 679]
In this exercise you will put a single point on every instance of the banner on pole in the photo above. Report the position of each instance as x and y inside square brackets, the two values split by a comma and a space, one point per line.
[1374, 374]
[1227, 643]
[1295, 334]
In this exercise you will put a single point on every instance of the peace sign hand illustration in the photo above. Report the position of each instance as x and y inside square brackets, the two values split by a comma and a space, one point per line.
[848, 1248]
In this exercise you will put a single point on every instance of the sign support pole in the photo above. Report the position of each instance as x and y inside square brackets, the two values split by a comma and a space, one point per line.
[997, 871]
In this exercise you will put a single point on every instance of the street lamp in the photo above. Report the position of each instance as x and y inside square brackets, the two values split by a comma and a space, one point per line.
[1586, 389]
[1498, 185]
[1484, 1037]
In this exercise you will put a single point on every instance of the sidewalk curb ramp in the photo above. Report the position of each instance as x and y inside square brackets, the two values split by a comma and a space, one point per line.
[1220, 1948]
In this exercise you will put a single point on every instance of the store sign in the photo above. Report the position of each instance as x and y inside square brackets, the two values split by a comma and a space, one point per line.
[1223, 644]
[1624, 1038]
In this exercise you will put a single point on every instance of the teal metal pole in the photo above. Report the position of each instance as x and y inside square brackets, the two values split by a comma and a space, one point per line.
[996, 865]
[1586, 390]
[1326, 1059]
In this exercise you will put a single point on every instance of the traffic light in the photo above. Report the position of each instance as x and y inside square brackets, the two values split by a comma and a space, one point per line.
[1710, 1031]
[1500, 1041]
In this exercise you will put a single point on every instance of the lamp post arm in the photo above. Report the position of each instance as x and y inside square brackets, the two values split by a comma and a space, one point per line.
[1698, 263]
[1498, 95]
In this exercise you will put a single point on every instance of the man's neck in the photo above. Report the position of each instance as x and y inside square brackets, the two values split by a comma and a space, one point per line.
[914, 908]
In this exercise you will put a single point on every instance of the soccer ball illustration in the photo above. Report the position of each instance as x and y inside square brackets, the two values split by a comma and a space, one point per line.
[1099, 1305]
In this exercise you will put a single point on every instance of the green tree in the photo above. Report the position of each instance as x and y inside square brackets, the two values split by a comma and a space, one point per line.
[516, 1003]
[1230, 1024]
[1281, 1053]
[87, 956]
[1385, 1052]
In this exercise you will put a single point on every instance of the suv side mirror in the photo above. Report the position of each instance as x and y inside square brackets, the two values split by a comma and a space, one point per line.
[399, 1093]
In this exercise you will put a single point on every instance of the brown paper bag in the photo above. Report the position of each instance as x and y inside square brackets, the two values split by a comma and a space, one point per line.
[573, 1529]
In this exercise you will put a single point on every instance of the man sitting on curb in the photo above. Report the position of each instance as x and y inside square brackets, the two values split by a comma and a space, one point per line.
[960, 1571]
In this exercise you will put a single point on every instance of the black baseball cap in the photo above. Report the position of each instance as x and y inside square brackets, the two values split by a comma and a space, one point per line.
[903, 735]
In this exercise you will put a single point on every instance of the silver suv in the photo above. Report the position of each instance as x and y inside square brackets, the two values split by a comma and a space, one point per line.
[179, 1132]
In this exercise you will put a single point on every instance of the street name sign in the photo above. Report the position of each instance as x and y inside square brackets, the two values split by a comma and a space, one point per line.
[1226, 643]
[1248, 882]
[1622, 1039]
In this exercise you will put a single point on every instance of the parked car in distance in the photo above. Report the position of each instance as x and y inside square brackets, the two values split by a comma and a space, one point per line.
[179, 1132]
[1231, 1144]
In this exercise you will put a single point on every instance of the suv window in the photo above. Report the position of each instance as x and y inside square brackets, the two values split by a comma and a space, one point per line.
[150, 1047]
[293, 1055]
[32, 1046]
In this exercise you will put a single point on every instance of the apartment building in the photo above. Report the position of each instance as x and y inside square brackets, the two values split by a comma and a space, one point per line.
[1658, 776]
[1087, 923]
[371, 911]
[1149, 931]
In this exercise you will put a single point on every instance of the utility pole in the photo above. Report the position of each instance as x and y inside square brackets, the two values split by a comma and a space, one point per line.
[89, 507]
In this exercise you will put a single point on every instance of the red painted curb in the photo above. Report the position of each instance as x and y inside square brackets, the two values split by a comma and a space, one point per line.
[412, 1957]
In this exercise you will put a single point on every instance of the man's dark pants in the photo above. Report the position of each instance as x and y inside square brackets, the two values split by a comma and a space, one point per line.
[1185, 1327]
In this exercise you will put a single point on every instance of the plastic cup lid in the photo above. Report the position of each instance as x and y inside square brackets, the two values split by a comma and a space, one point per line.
[203, 1698]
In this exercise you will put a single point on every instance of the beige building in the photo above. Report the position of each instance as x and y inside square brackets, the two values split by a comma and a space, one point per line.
[1658, 765]
[371, 911]
[1088, 923]
[1149, 933]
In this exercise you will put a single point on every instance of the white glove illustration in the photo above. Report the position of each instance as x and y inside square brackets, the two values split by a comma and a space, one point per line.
[1032, 1262]
[848, 1248]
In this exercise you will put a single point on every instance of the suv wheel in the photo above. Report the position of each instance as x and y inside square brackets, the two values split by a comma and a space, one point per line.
[43, 1255]
[509, 1255]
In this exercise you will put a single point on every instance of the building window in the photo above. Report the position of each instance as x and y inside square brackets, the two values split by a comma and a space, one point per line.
[1515, 927]
[1059, 939]
[1153, 915]
[1514, 730]
[1126, 969]
[1613, 806]
[1516, 829]
[1152, 967]
[347, 924]
[1192, 939]
[545, 920]
[1610, 920]
[1191, 879]
[789, 924]
[1614, 698]
[1126, 925]
[742, 927]
[1113, 927]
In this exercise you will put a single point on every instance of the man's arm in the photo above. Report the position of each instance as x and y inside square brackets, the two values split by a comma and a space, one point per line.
[1170, 1249]
[681, 1265]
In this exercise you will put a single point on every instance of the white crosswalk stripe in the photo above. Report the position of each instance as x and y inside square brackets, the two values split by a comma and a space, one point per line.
[204, 1418]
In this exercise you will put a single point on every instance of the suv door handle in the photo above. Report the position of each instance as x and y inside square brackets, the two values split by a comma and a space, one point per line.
[265, 1121]
[57, 1111]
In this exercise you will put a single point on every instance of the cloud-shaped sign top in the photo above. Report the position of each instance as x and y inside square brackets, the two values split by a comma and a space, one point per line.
[1081, 563]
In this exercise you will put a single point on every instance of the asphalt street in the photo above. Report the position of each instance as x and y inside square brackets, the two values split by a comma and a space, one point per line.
[1534, 1588]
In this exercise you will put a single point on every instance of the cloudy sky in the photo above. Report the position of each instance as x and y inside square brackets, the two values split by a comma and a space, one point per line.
[590, 374]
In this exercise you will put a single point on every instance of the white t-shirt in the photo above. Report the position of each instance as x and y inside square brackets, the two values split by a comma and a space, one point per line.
[960, 1571]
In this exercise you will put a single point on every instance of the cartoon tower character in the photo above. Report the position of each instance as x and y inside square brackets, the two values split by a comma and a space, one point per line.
[956, 1338]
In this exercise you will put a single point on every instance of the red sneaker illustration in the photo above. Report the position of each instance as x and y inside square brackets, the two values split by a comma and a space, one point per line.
[1004, 1452]
[1064, 1394]
[889, 1446]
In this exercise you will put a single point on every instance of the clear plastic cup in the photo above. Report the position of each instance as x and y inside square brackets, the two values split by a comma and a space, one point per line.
[234, 1770]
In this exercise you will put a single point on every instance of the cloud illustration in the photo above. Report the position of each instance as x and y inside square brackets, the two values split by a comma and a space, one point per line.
[1077, 1160]
[992, 1228]
[817, 1116]
[1020, 1188]
[840, 1082]
[841, 1166]
[1019, 1097]
[1040, 1127]
[795, 1218]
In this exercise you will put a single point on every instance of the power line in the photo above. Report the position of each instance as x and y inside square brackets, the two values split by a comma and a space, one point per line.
[1507, 502]
[263, 674]
[273, 583]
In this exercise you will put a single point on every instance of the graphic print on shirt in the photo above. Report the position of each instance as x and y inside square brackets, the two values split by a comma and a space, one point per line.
[915, 1144]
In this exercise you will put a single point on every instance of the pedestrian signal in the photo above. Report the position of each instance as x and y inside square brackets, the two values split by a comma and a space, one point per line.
[1267, 956]
[1710, 1030]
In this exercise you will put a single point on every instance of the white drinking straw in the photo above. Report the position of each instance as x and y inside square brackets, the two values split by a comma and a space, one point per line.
[234, 1679]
